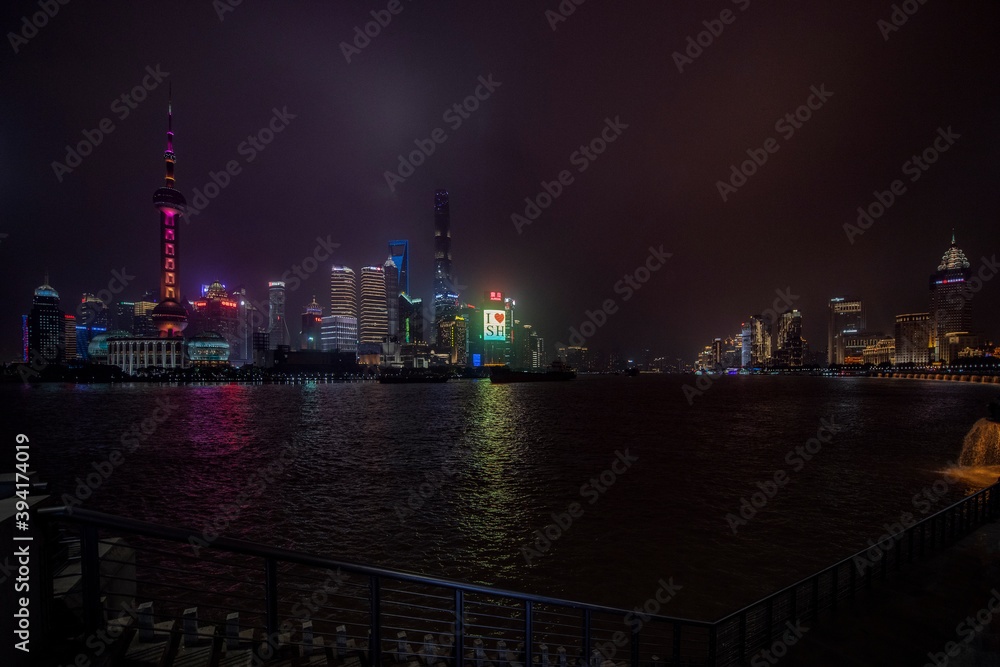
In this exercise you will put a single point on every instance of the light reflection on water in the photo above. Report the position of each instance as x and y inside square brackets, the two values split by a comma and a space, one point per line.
[520, 453]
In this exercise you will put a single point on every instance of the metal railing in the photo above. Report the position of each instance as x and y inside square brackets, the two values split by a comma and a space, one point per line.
[292, 599]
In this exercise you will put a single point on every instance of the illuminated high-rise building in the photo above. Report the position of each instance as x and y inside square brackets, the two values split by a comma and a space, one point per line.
[169, 316]
[445, 293]
[760, 342]
[373, 320]
[45, 332]
[399, 251]
[411, 319]
[846, 319]
[789, 352]
[453, 339]
[277, 325]
[950, 310]
[343, 292]
[391, 272]
[69, 338]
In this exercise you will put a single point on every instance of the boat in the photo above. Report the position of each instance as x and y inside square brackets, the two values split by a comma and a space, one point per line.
[411, 378]
[558, 371]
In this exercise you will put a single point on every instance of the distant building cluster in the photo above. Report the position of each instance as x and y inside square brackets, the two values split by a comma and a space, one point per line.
[941, 336]
[372, 318]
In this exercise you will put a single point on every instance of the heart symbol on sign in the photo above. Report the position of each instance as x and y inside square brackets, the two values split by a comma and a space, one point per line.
[498, 317]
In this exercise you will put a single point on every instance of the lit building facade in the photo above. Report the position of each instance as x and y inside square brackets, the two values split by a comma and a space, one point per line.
[745, 341]
[134, 354]
[277, 325]
[882, 353]
[950, 311]
[846, 317]
[45, 334]
[411, 319]
[399, 253]
[913, 339]
[69, 337]
[789, 352]
[216, 312]
[343, 292]
[338, 334]
[760, 342]
[445, 294]
[373, 319]
[391, 297]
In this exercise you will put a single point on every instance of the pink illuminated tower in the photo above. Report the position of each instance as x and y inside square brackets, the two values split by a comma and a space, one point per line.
[169, 316]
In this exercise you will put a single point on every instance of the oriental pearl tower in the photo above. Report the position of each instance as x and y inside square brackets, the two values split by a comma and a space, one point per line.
[169, 316]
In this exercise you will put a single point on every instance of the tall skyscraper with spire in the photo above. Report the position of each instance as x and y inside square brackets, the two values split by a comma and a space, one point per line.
[445, 294]
[399, 251]
[169, 316]
[950, 311]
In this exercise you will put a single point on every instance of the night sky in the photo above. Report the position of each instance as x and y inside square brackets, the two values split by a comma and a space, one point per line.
[656, 184]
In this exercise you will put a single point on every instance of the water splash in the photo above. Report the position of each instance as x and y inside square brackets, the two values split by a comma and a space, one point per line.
[982, 445]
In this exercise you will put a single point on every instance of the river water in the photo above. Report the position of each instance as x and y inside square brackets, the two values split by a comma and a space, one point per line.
[453, 480]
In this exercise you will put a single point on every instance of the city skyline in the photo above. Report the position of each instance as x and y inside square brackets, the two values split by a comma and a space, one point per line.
[258, 200]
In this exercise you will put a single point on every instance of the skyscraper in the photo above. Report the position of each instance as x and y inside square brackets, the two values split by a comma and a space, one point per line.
[391, 296]
[68, 337]
[45, 326]
[343, 292]
[790, 349]
[399, 251]
[373, 320]
[277, 326]
[760, 342]
[950, 311]
[169, 316]
[445, 294]
[411, 319]
[846, 318]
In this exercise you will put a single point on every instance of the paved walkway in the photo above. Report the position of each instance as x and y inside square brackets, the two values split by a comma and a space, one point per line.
[916, 612]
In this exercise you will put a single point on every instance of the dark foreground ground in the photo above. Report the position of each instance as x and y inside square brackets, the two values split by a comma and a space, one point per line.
[917, 616]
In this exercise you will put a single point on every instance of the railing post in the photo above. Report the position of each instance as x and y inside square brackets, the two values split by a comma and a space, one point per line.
[713, 639]
[528, 621]
[677, 643]
[923, 537]
[853, 578]
[375, 644]
[90, 564]
[459, 627]
[271, 598]
[586, 636]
